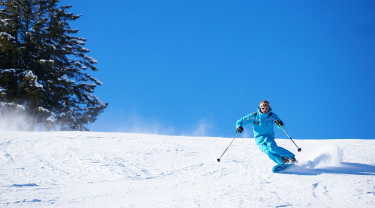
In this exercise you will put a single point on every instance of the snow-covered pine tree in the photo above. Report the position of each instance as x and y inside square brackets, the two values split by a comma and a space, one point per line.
[42, 66]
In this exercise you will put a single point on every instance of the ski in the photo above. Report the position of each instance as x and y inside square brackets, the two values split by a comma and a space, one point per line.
[278, 168]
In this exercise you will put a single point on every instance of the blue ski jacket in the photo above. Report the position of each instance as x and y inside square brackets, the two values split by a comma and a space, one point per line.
[262, 125]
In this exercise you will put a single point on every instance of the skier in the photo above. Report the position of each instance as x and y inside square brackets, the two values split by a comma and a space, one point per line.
[262, 122]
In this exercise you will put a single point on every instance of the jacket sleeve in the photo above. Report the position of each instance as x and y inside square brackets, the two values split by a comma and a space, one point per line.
[275, 117]
[245, 120]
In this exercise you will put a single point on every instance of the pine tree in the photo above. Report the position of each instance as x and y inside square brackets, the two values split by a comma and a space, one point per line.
[43, 66]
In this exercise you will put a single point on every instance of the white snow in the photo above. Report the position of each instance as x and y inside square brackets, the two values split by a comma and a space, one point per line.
[91, 169]
[44, 61]
[8, 70]
[2, 104]
[31, 76]
[66, 79]
[91, 59]
[6, 34]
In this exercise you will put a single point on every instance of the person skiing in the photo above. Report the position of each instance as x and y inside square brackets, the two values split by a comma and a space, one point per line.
[262, 122]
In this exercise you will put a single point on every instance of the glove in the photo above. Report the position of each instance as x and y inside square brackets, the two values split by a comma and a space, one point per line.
[279, 123]
[240, 129]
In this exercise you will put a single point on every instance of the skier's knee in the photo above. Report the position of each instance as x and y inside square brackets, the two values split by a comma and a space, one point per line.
[272, 148]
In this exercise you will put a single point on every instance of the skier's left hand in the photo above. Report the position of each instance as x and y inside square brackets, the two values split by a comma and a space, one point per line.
[279, 123]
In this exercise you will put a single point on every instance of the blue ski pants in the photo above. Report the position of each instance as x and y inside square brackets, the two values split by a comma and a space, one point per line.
[275, 152]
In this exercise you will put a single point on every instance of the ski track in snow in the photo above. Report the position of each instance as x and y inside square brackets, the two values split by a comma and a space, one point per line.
[91, 169]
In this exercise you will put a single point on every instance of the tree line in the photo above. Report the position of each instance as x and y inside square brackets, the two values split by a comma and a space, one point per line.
[43, 67]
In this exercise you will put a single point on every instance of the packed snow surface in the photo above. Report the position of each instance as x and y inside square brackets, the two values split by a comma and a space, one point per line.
[90, 169]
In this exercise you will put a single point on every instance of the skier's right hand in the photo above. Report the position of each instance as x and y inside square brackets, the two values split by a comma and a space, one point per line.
[240, 129]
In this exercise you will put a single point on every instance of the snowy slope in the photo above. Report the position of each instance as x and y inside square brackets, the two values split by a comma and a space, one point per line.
[89, 169]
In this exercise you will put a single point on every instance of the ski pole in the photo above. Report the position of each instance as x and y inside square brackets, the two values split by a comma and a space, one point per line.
[218, 159]
[299, 149]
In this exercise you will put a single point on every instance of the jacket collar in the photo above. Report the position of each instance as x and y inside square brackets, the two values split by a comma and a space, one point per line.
[264, 115]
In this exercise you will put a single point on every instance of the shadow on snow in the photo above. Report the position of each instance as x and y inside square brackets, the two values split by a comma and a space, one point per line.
[345, 168]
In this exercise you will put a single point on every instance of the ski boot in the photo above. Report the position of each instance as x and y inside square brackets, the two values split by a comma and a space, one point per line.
[286, 160]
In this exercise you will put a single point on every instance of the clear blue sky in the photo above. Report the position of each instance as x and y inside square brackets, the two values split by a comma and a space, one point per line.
[196, 67]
